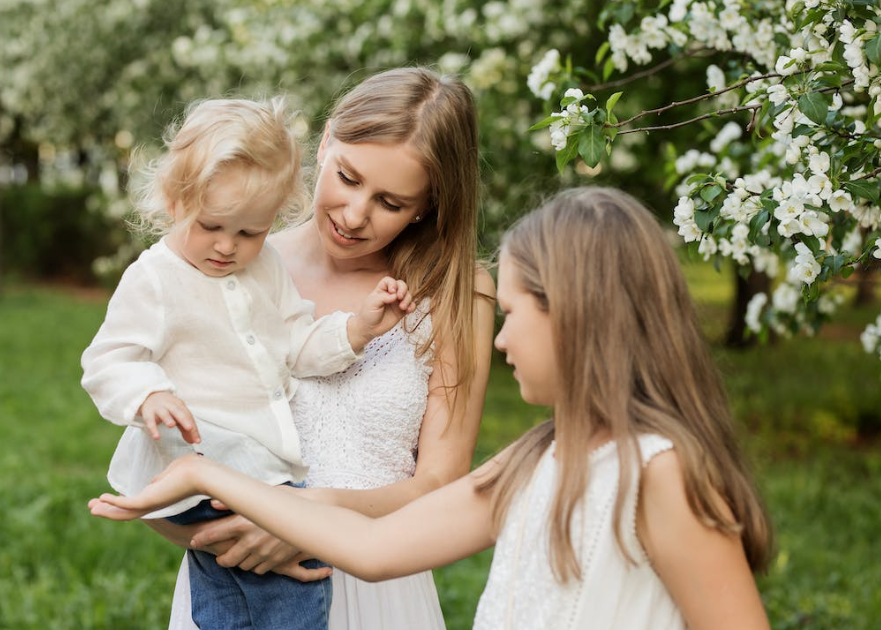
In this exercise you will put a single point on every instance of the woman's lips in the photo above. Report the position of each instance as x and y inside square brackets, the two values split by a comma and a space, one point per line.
[340, 235]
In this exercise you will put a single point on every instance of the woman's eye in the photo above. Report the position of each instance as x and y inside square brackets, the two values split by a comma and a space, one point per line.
[389, 205]
[348, 181]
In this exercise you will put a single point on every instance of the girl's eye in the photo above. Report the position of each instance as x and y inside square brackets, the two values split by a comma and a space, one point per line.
[348, 181]
[208, 228]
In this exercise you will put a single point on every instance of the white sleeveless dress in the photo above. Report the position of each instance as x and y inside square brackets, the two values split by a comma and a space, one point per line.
[359, 429]
[522, 593]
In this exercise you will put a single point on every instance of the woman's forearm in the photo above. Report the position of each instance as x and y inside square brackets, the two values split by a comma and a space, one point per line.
[180, 535]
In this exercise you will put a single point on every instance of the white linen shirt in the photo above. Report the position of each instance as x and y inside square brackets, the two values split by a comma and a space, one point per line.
[229, 347]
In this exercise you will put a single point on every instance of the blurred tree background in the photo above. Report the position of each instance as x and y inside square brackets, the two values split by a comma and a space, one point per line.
[86, 82]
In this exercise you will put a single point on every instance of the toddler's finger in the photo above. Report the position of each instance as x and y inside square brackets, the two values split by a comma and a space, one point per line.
[150, 423]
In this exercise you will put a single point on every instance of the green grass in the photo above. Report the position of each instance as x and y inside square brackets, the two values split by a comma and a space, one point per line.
[803, 409]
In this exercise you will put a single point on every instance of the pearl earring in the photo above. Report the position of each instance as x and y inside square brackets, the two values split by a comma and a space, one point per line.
[417, 218]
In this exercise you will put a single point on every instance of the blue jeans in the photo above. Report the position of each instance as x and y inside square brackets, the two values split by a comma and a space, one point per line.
[241, 600]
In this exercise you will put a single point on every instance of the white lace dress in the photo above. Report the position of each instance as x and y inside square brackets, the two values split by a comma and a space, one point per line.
[521, 592]
[359, 429]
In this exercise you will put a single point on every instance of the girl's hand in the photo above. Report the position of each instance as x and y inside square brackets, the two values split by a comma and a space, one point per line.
[173, 484]
[237, 542]
[383, 308]
[166, 408]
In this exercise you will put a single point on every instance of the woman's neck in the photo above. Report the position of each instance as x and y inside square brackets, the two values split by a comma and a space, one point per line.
[375, 263]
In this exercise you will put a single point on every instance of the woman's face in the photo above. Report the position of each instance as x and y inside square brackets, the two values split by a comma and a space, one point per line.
[366, 195]
[526, 338]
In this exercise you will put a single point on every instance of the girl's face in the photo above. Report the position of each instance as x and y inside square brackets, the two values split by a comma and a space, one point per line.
[229, 231]
[526, 338]
[366, 195]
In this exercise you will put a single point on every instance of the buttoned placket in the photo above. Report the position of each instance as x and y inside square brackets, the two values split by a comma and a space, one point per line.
[237, 298]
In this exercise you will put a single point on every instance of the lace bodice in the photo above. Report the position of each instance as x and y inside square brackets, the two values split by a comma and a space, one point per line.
[521, 591]
[359, 428]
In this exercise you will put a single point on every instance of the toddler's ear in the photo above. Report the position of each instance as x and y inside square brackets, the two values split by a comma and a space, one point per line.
[174, 208]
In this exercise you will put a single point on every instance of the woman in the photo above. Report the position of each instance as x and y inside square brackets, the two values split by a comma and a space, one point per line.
[396, 194]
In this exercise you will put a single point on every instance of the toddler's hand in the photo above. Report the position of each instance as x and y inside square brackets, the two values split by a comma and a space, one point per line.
[383, 308]
[168, 409]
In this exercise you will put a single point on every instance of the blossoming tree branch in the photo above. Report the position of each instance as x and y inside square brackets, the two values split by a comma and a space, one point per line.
[789, 183]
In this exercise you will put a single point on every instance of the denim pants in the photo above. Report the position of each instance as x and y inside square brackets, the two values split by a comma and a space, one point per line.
[234, 599]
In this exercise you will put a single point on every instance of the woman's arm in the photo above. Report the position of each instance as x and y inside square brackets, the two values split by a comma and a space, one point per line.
[442, 527]
[446, 443]
[705, 570]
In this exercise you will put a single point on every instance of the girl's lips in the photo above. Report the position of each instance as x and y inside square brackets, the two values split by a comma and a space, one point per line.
[220, 264]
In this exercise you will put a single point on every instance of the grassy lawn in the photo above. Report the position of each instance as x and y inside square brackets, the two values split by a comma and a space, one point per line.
[803, 408]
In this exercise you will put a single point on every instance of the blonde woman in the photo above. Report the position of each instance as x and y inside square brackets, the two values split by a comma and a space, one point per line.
[629, 508]
[395, 192]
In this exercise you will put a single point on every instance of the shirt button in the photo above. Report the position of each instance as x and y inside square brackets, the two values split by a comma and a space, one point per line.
[231, 284]
[250, 339]
[277, 394]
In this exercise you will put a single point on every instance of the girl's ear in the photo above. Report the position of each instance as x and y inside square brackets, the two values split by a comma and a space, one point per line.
[325, 140]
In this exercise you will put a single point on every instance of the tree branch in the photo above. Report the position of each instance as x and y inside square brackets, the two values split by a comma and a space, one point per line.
[697, 99]
[682, 123]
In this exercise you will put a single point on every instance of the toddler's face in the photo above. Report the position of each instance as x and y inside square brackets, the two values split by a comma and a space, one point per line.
[229, 230]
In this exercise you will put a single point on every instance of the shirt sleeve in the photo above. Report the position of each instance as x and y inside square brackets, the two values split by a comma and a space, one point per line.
[119, 366]
[317, 347]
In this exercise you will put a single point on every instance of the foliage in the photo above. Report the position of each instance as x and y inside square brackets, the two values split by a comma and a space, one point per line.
[72, 571]
[54, 233]
[90, 79]
[799, 192]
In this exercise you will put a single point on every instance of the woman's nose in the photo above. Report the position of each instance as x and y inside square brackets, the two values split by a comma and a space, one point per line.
[357, 212]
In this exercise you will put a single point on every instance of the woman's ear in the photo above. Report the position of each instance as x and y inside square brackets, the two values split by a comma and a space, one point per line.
[325, 140]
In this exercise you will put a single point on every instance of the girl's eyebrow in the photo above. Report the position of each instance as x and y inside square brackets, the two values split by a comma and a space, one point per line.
[406, 199]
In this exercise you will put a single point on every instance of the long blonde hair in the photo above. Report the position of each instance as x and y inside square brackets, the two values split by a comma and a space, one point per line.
[633, 360]
[436, 116]
[213, 135]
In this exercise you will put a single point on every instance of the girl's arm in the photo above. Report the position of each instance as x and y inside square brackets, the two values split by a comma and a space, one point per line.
[705, 570]
[446, 447]
[442, 527]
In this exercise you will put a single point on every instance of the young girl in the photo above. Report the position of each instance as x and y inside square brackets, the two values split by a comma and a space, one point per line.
[205, 332]
[630, 508]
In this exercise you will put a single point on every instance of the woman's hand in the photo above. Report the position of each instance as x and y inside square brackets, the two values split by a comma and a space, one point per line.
[237, 542]
[177, 482]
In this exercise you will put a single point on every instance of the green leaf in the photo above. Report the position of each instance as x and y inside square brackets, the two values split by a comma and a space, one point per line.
[613, 100]
[591, 145]
[567, 154]
[608, 68]
[544, 123]
[864, 190]
[815, 106]
[708, 193]
[873, 50]
[705, 218]
[601, 52]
